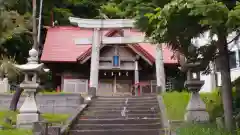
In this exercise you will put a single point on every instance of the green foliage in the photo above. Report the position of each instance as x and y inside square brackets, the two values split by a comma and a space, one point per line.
[180, 21]
[16, 132]
[206, 129]
[14, 25]
[213, 104]
[111, 10]
[7, 68]
[176, 103]
[7, 114]
[56, 118]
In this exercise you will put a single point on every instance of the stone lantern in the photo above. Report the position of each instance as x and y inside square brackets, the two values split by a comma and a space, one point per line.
[196, 108]
[29, 112]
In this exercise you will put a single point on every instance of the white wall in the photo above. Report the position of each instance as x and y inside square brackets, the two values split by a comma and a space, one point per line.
[207, 87]
[235, 73]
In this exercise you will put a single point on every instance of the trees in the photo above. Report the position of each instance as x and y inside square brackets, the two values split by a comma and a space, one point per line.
[13, 26]
[13, 30]
[181, 21]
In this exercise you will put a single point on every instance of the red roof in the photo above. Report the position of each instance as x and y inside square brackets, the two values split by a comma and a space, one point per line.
[60, 47]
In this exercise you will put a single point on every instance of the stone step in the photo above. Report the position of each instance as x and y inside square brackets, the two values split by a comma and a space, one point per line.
[116, 126]
[107, 116]
[131, 112]
[118, 132]
[134, 111]
[153, 107]
[126, 102]
[124, 105]
[125, 99]
[118, 121]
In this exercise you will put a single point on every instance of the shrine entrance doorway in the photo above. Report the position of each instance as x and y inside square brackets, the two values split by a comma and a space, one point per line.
[117, 83]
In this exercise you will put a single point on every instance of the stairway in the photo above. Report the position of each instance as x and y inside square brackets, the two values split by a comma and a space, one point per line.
[120, 116]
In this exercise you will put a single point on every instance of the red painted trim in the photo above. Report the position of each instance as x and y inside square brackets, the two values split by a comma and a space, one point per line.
[84, 55]
[144, 52]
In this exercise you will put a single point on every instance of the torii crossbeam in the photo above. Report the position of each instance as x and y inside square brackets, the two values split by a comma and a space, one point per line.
[97, 39]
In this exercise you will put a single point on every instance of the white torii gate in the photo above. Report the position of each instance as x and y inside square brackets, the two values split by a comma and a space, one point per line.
[97, 39]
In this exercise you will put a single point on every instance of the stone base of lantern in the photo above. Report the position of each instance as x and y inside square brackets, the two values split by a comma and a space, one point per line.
[196, 109]
[196, 116]
[29, 112]
[26, 120]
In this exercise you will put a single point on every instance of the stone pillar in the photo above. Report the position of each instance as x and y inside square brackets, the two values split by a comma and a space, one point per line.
[160, 72]
[29, 112]
[196, 108]
[136, 77]
[93, 84]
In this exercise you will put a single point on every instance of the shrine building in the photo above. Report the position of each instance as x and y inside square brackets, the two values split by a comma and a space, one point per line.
[70, 63]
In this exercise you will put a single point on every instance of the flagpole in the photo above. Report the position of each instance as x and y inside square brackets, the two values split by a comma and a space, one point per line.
[34, 23]
[39, 22]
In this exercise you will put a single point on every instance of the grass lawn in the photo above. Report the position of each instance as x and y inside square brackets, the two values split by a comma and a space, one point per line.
[15, 132]
[53, 118]
[176, 103]
[206, 129]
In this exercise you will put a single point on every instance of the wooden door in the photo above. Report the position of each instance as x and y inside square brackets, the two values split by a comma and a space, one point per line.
[105, 88]
[123, 86]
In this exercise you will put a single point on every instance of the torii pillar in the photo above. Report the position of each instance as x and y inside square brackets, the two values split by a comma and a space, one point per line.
[160, 72]
[94, 70]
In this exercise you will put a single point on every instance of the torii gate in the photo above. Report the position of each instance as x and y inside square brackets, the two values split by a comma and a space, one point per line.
[97, 39]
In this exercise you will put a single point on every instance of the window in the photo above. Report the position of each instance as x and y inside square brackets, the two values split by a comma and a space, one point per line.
[116, 61]
[232, 60]
[75, 85]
